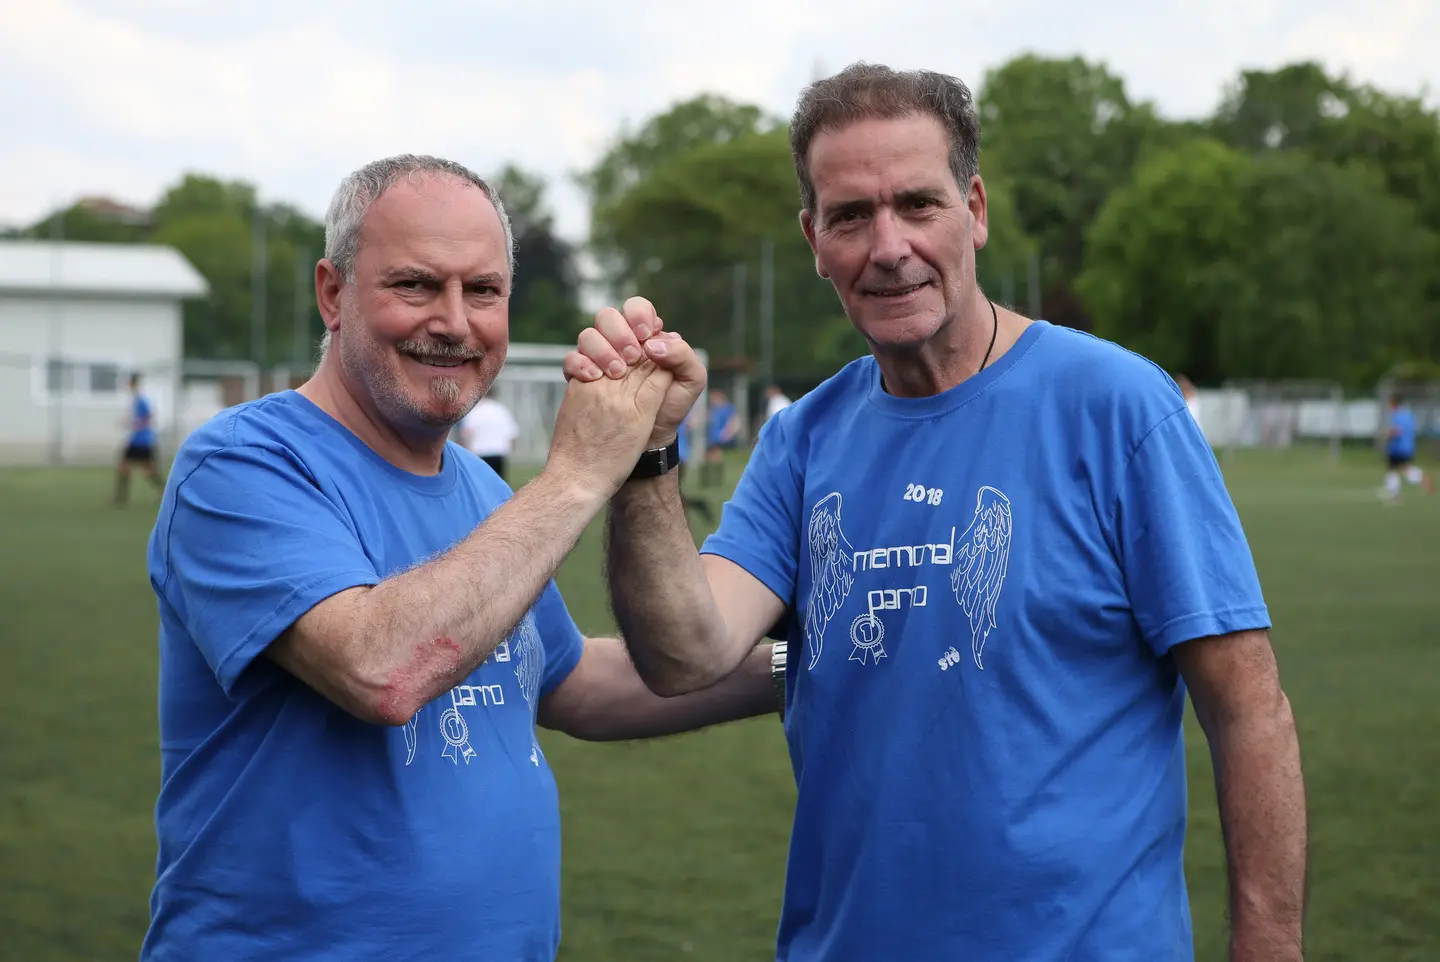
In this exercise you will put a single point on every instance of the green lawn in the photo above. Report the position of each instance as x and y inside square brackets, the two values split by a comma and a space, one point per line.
[675, 848]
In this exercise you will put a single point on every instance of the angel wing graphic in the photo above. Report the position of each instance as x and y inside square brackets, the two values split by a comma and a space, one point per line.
[983, 555]
[412, 738]
[529, 658]
[831, 576]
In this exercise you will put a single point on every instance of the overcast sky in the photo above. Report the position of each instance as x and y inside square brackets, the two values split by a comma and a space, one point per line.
[119, 97]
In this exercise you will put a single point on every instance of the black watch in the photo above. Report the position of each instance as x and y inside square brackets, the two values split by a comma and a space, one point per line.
[657, 461]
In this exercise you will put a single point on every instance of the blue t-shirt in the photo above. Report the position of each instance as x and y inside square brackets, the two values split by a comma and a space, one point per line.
[682, 437]
[142, 432]
[289, 829]
[983, 589]
[720, 417]
[1401, 443]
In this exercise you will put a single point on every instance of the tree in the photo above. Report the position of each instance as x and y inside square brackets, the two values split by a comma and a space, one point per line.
[705, 200]
[1002, 265]
[1301, 107]
[1285, 108]
[86, 222]
[214, 224]
[1063, 134]
[706, 119]
[680, 230]
[544, 298]
[1278, 265]
[633, 156]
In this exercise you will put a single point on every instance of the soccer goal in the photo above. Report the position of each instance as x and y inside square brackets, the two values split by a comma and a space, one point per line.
[202, 389]
[532, 385]
[1283, 415]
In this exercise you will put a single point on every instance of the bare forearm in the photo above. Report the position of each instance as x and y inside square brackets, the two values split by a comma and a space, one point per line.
[616, 705]
[1262, 812]
[433, 625]
[659, 591]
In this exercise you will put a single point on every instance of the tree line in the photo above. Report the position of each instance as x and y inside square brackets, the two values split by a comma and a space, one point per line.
[1294, 233]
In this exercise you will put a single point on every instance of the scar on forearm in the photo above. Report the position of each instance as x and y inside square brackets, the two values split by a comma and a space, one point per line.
[429, 662]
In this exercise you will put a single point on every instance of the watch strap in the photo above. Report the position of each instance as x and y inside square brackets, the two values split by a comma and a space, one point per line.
[657, 461]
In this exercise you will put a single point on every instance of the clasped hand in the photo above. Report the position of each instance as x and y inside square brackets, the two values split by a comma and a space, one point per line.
[630, 384]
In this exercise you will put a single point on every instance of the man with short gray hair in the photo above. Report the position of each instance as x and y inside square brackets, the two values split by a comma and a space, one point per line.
[360, 630]
[1000, 552]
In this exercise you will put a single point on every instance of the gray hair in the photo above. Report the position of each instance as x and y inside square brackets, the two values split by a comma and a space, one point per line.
[361, 189]
[358, 191]
[865, 91]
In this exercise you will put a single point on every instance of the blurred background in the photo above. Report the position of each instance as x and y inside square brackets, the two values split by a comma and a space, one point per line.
[1247, 193]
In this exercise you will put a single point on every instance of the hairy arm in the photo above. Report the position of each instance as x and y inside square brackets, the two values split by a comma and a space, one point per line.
[1234, 683]
[688, 621]
[383, 652]
[603, 699]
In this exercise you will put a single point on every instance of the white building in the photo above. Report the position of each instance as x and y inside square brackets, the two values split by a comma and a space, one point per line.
[75, 320]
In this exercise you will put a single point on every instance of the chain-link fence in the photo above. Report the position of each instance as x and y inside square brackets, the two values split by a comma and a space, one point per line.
[75, 411]
[70, 410]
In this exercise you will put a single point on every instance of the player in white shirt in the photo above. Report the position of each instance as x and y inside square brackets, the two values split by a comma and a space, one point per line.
[775, 401]
[489, 431]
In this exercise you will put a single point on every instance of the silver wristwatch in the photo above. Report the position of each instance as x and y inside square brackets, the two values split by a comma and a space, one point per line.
[777, 673]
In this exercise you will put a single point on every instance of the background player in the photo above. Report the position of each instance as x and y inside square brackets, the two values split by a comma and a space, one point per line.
[139, 446]
[1400, 452]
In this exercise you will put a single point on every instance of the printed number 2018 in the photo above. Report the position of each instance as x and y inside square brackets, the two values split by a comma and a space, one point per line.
[922, 494]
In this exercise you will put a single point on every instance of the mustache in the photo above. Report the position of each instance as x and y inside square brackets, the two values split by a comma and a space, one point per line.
[878, 281]
[440, 349]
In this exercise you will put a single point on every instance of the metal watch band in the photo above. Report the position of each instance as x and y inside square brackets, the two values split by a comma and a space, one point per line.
[777, 673]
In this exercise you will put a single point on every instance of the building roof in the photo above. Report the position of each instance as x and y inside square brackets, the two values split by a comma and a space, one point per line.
[125, 270]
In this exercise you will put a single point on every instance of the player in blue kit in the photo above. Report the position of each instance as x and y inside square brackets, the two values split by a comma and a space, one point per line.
[1400, 432]
[139, 444]
[359, 627]
[1000, 553]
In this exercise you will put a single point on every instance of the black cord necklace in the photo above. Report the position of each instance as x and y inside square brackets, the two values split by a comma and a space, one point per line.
[993, 332]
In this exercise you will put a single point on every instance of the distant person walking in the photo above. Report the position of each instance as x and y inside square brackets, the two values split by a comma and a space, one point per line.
[1400, 452]
[682, 439]
[139, 444]
[489, 432]
[722, 434]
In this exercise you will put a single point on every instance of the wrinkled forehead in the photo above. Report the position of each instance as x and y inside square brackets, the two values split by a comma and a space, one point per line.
[433, 217]
[874, 157]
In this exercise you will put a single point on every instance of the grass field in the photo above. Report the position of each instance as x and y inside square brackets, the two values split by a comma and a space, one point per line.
[675, 849]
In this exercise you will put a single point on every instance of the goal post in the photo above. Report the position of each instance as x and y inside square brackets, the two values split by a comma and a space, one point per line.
[532, 385]
[203, 388]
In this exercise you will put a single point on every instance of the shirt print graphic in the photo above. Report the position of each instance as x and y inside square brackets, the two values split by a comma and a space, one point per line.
[522, 649]
[978, 560]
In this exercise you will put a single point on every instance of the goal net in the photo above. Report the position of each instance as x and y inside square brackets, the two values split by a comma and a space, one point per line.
[532, 385]
[205, 388]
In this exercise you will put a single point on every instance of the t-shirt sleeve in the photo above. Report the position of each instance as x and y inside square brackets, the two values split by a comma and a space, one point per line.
[760, 524]
[560, 636]
[1188, 567]
[250, 544]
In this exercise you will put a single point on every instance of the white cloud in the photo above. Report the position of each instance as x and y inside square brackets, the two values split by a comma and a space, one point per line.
[124, 96]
